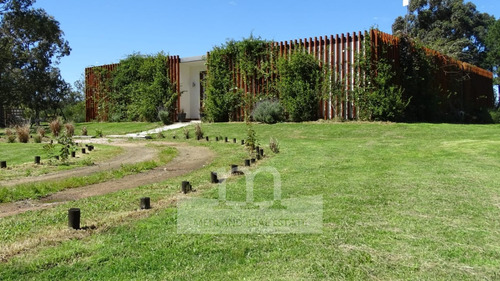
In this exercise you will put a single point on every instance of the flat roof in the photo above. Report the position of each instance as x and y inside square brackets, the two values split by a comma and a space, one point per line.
[193, 59]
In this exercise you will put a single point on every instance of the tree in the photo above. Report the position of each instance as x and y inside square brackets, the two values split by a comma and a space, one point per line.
[451, 27]
[31, 45]
[492, 42]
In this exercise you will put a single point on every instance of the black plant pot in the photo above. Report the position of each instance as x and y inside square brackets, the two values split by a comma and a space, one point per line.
[181, 117]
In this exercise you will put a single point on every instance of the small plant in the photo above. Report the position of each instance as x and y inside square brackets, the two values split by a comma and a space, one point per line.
[186, 133]
[274, 145]
[98, 133]
[41, 132]
[165, 117]
[160, 135]
[84, 131]
[198, 131]
[88, 162]
[23, 133]
[70, 129]
[268, 112]
[50, 148]
[67, 143]
[55, 127]
[251, 140]
[37, 138]
[11, 139]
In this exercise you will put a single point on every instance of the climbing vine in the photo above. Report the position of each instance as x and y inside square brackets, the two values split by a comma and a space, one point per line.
[233, 64]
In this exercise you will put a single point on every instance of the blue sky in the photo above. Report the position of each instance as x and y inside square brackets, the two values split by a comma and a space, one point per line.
[105, 31]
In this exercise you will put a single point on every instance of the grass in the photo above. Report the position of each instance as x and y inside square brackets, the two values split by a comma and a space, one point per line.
[20, 159]
[400, 201]
[41, 189]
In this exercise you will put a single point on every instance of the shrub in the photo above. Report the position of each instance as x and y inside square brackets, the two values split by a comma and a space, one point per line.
[165, 117]
[84, 131]
[98, 133]
[274, 145]
[11, 138]
[268, 112]
[186, 133]
[251, 140]
[37, 138]
[8, 132]
[55, 127]
[23, 133]
[198, 131]
[300, 84]
[70, 129]
[160, 135]
[495, 115]
[41, 132]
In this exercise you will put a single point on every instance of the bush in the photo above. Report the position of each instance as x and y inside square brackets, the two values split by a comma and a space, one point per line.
[268, 112]
[198, 131]
[84, 131]
[37, 138]
[495, 115]
[186, 133]
[70, 129]
[11, 138]
[164, 116]
[23, 133]
[274, 145]
[55, 127]
[41, 131]
[300, 85]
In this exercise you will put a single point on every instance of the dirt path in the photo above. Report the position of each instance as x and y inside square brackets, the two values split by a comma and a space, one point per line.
[189, 158]
[133, 153]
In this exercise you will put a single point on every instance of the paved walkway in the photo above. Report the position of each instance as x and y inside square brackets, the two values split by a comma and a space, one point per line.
[155, 131]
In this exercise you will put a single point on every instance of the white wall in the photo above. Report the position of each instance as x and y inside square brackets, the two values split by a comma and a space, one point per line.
[190, 87]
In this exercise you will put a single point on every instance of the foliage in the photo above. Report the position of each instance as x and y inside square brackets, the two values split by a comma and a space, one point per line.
[67, 145]
[98, 133]
[253, 57]
[84, 131]
[300, 85]
[37, 138]
[70, 129]
[493, 58]
[56, 126]
[274, 145]
[251, 139]
[31, 43]
[165, 117]
[268, 111]
[140, 86]
[50, 150]
[11, 138]
[186, 133]
[23, 133]
[41, 131]
[454, 28]
[198, 131]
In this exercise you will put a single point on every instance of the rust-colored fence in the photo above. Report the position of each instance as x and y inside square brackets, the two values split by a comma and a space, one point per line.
[339, 53]
[463, 88]
[96, 90]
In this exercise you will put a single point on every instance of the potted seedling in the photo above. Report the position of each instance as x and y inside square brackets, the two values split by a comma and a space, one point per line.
[181, 116]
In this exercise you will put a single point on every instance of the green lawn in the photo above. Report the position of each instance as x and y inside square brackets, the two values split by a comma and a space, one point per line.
[400, 201]
[20, 159]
